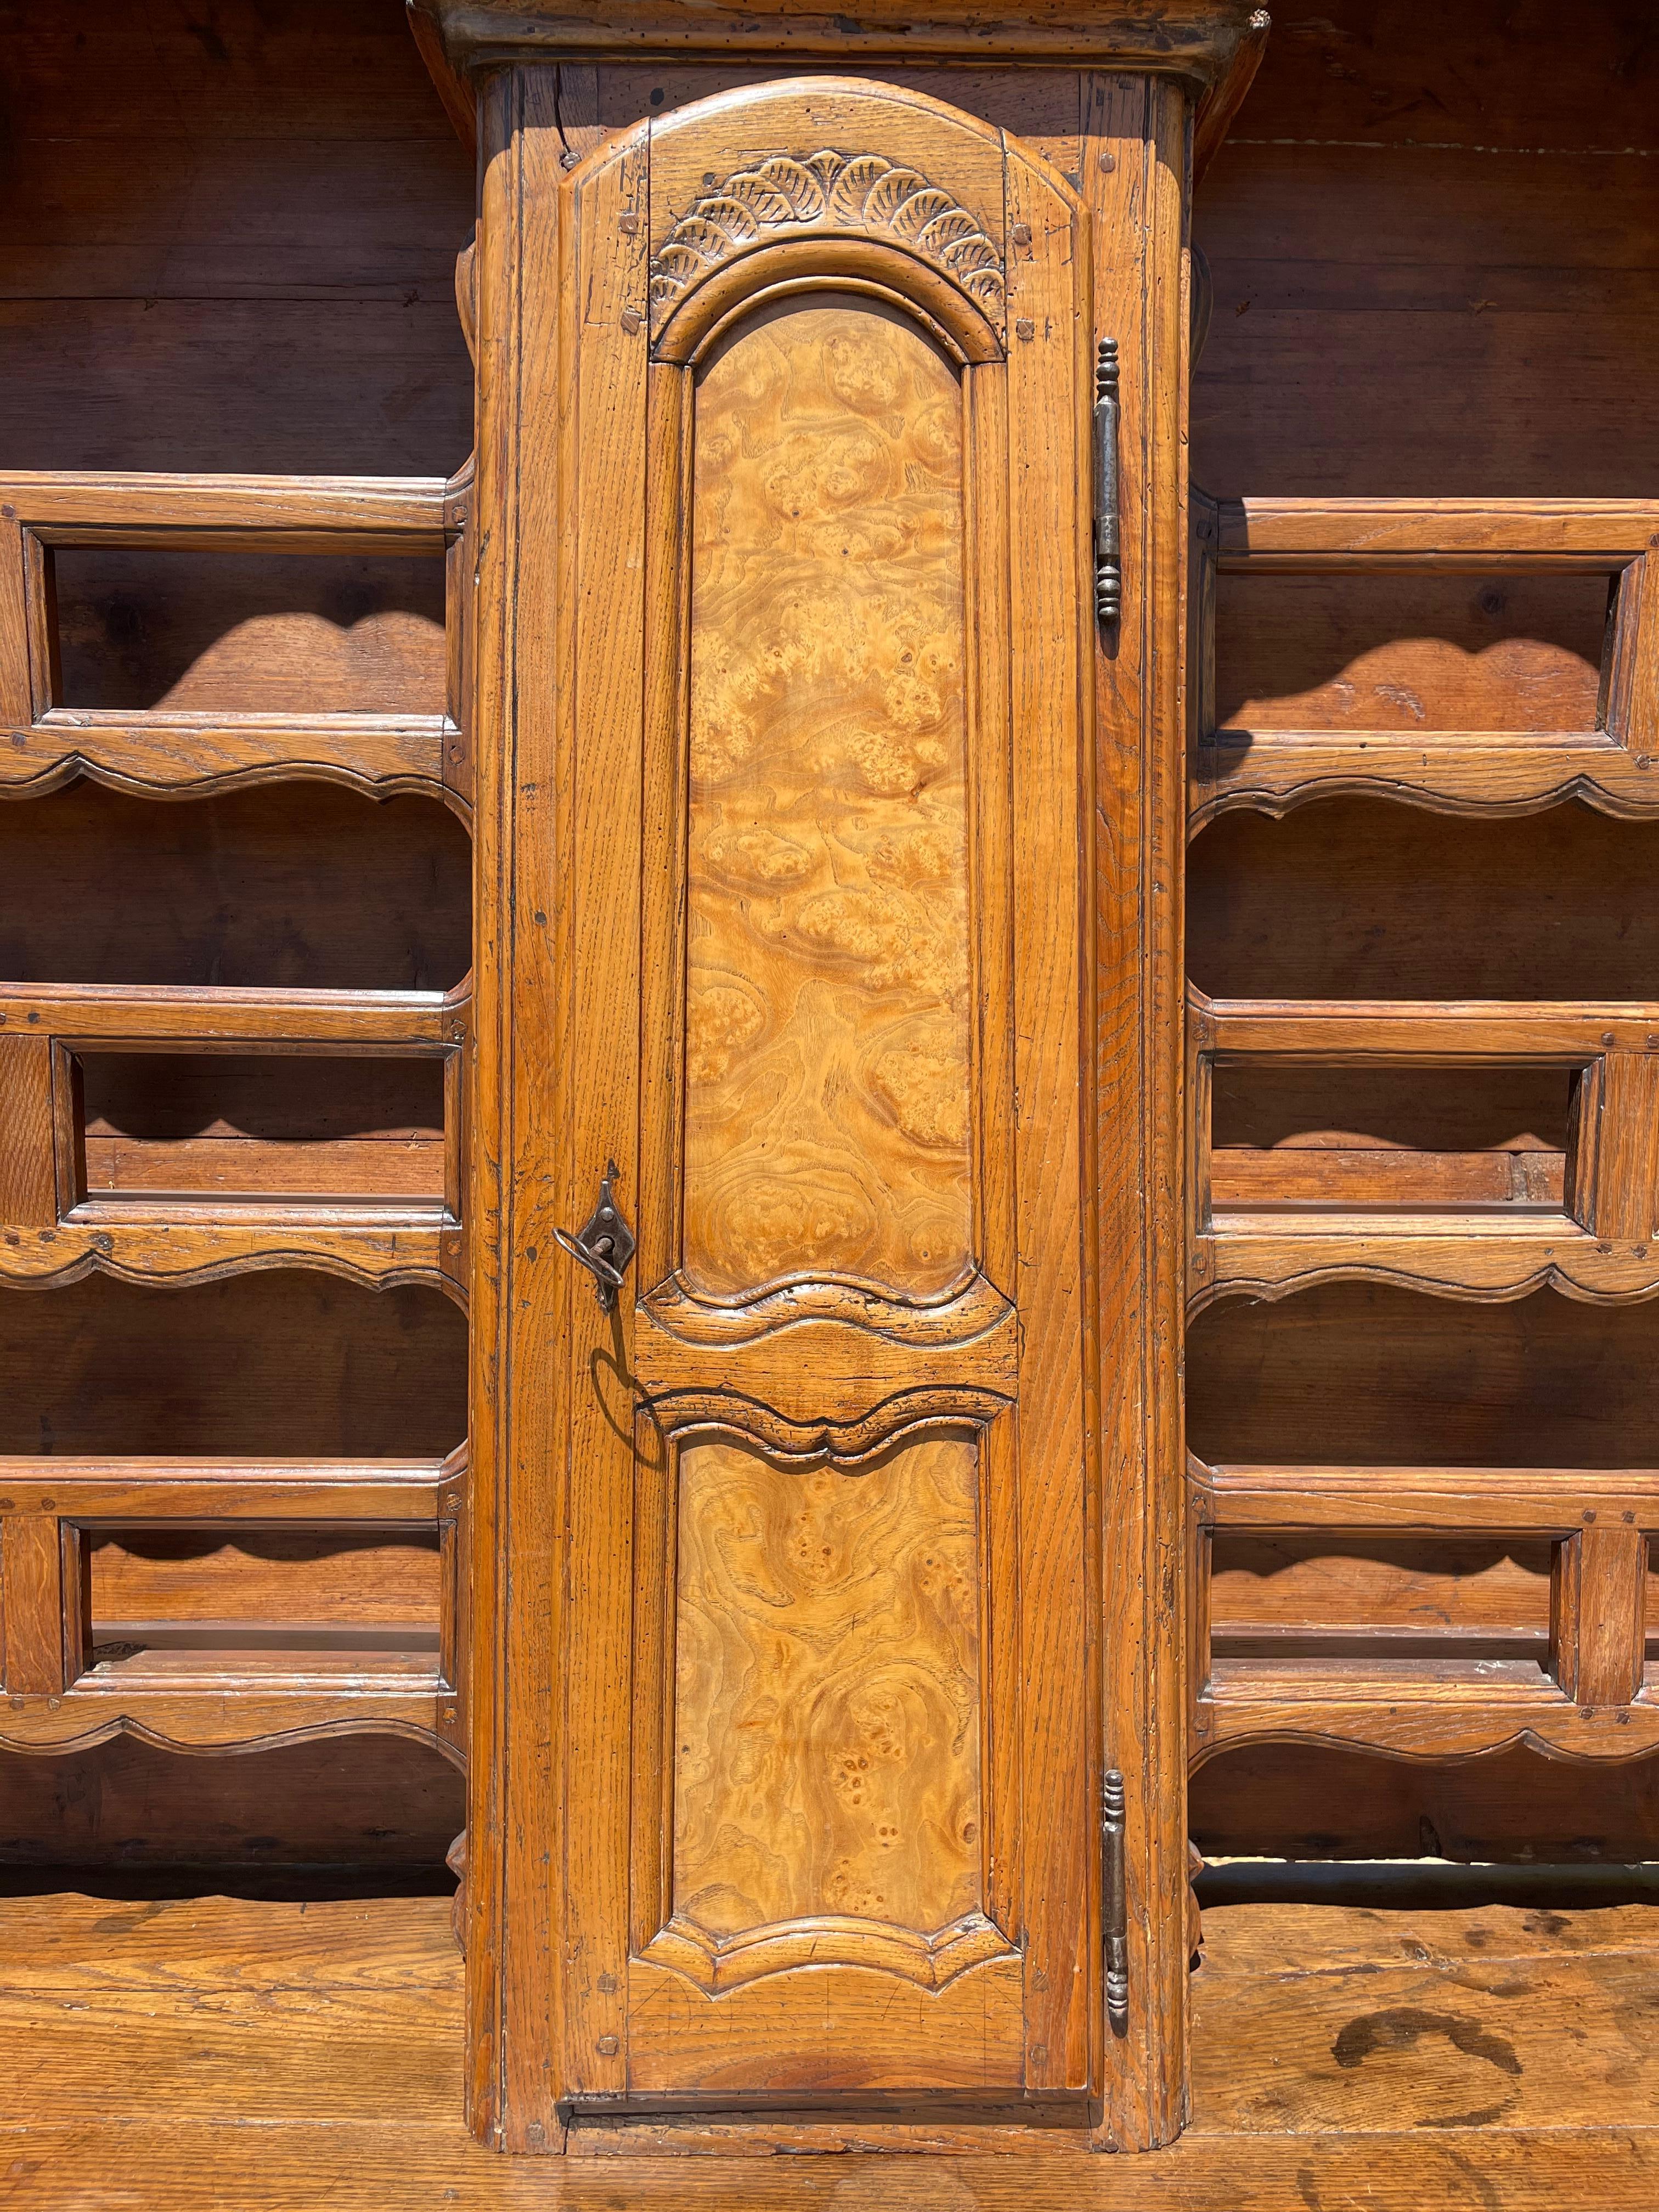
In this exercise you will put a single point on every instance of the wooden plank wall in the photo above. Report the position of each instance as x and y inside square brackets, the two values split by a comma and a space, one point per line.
[230, 244]
[1434, 242]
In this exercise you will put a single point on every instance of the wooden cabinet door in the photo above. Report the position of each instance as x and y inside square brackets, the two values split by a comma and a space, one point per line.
[804, 598]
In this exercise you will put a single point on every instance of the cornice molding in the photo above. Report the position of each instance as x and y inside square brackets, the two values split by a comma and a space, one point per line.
[1195, 39]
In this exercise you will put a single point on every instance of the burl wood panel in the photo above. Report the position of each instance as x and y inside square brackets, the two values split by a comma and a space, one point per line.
[827, 1689]
[827, 1070]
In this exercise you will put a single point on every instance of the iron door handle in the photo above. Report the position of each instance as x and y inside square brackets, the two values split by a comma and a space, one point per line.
[605, 1243]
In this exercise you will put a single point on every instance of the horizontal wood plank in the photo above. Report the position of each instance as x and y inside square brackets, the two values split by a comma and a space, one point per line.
[287, 513]
[1314, 534]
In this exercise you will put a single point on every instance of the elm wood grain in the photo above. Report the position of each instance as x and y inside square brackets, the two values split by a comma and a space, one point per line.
[233, 252]
[1481, 774]
[1618, 1146]
[33, 1572]
[1374, 1375]
[379, 2167]
[1353, 899]
[1279, 1589]
[183, 756]
[1393, 287]
[1193, 40]
[849, 1598]
[293, 634]
[1275, 767]
[1042, 106]
[173, 1971]
[178, 1242]
[292, 887]
[203, 1019]
[142, 1487]
[1513, 1500]
[382, 1805]
[827, 1084]
[233, 1706]
[18, 619]
[1503, 1253]
[1320, 2019]
[206, 512]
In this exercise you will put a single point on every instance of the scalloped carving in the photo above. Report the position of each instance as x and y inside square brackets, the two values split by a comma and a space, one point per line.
[971, 1312]
[811, 1444]
[930, 1961]
[827, 190]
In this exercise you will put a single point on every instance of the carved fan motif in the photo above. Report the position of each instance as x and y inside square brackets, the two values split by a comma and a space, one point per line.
[829, 190]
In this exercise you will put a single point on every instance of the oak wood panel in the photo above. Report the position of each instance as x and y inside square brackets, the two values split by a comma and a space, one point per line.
[827, 1079]
[219, 1573]
[398, 1170]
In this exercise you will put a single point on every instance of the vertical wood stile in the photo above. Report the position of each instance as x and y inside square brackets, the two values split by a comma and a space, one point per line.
[1135, 140]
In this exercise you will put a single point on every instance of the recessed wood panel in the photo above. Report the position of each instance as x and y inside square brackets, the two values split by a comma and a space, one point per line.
[1389, 1138]
[827, 1708]
[1355, 898]
[299, 884]
[269, 633]
[1291, 1596]
[291, 1363]
[827, 1064]
[1364, 1374]
[264, 1126]
[1409, 653]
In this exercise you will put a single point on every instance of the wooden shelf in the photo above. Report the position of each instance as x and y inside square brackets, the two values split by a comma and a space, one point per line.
[201, 1683]
[1436, 1688]
[1601, 1246]
[55, 1230]
[1455, 770]
[161, 754]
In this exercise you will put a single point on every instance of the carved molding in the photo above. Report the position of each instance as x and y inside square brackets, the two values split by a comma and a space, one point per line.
[1480, 1271]
[966, 1313]
[715, 1963]
[862, 194]
[1415, 1730]
[809, 1443]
